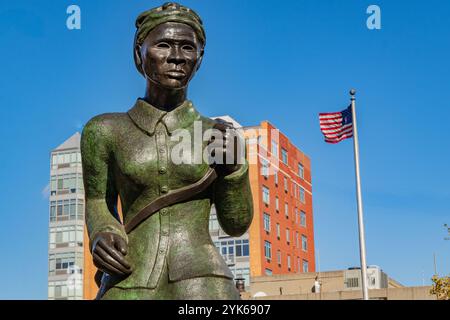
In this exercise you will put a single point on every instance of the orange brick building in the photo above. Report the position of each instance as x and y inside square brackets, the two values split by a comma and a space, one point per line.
[281, 236]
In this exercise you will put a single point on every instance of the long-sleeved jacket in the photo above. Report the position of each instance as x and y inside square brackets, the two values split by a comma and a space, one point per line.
[131, 155]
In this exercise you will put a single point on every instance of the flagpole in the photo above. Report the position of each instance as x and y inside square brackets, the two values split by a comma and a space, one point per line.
[362, 241]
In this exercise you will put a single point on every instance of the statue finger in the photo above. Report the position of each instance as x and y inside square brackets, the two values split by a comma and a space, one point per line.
[106, 267]
[117, 255]
[115, 248]
[110, 256]
[121, 245]
[100, 263]
[104, 241]
[112, 261]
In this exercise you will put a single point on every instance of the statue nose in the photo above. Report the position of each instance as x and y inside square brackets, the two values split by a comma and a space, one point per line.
[176, 56]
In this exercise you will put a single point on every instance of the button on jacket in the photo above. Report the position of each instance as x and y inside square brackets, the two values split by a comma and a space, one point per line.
[130, 155]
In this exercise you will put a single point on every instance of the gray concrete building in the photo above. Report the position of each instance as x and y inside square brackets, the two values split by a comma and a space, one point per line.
[66, 222]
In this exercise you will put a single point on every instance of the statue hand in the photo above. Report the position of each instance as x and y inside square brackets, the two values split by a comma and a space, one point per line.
[230, 146]
[109, 251]
[227, 146]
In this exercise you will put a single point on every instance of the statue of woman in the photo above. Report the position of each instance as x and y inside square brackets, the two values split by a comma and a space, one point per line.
[162, 249]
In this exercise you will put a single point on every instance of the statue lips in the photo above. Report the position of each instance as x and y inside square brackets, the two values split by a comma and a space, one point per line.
[176, 74]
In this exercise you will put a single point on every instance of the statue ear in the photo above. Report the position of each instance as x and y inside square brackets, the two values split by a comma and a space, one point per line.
[137, 58]
[200, 59]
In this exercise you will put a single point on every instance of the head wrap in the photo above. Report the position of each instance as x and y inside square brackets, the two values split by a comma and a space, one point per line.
[168, 12]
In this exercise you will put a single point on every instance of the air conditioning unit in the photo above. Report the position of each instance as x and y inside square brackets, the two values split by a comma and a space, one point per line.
[376, 278]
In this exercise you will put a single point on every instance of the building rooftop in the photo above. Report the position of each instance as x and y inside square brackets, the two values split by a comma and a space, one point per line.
[72, 143]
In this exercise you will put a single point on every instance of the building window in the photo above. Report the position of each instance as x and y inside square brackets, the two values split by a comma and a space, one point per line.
[66, 183]
[302, 218]
[268, 272]
[289, 262]
[67, 236]
[264, 168]
[305, 266]
[276, 178]
[294, 191]
[266, 222]
[301, 171]
[230, 249]
[288, 236]
[242, 248]
[302, 195]
[296, 215]
[60, 290]
[64, 263]
[69, 209]
[227, 248]
[279, 257]
[297, 240]
[304, 243]
[274, 148]
[286, 210]
[285, 185]
[66, 159]
[266, 195]
[278, 231]
[298, 264]
[284, 156]
[277, 204]
[268, 250]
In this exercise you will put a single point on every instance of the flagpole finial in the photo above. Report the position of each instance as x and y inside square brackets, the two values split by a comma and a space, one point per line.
[352, 92]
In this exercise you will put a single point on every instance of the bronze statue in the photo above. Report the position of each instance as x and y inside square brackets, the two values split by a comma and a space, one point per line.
[162, 249]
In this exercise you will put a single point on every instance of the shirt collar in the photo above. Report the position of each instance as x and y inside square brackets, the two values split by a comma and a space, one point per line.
[146, 116]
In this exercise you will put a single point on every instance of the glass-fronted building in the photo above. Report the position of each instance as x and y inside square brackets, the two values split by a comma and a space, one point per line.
[234, 250]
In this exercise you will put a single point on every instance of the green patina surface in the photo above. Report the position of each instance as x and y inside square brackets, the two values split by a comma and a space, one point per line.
[171, 253]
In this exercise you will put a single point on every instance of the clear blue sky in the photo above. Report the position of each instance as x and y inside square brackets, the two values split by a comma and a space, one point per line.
[284, 61]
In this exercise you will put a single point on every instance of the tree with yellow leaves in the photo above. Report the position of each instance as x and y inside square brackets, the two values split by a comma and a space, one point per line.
[441, 287]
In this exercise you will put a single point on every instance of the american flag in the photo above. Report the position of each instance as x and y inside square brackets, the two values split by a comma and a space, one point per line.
[336, 126]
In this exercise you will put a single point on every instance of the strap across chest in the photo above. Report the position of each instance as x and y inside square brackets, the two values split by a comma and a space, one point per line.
[171, 198]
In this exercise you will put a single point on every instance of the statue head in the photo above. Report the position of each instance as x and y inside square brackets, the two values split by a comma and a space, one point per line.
[169, 45]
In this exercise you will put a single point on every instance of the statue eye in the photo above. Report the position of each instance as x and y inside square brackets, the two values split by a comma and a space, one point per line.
[188, 47]
[162, 45]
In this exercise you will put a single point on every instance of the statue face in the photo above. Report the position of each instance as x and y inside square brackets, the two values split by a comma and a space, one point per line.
[171, 54]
